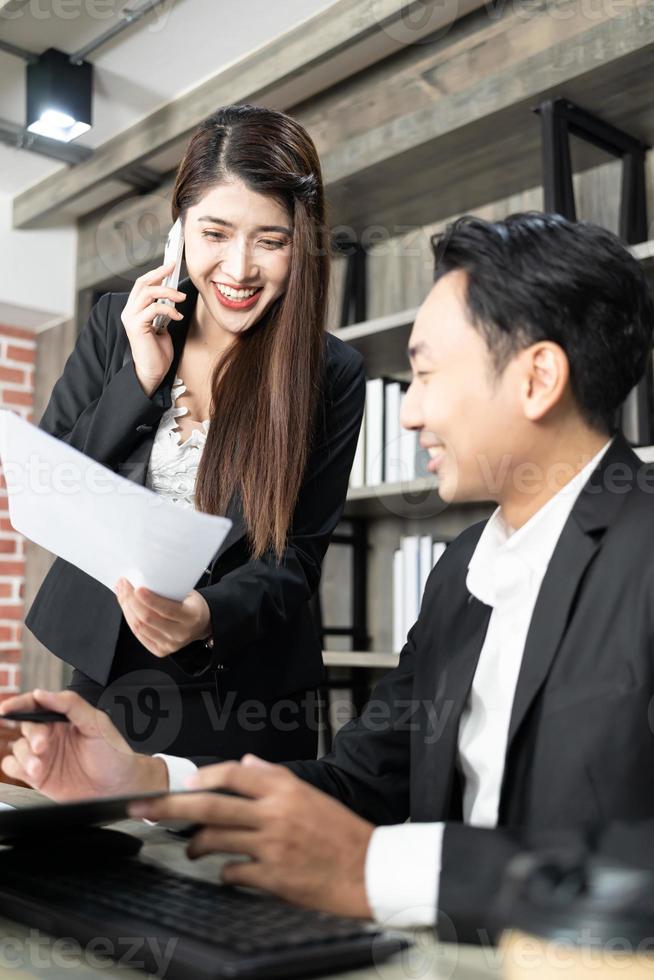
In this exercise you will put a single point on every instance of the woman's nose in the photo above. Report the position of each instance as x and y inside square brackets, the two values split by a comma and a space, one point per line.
[237, 263]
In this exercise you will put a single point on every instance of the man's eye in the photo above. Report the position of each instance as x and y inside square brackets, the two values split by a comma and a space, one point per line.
[217, 236]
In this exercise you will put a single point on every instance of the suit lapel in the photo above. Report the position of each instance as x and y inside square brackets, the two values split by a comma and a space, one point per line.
[572, 556]
[581, 538]
[450, 677]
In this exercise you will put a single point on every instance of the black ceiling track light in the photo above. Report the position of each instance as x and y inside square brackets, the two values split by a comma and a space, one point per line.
[59, 96]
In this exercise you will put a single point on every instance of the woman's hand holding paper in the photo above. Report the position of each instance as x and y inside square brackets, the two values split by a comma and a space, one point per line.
[163, 626]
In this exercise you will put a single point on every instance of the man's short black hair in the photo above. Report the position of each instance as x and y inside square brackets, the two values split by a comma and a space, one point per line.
[535, 277]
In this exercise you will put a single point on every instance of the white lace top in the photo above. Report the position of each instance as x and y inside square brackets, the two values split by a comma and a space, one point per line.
[173, 465]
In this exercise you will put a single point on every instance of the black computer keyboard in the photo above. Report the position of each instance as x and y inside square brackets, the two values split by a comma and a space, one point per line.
[219, 931]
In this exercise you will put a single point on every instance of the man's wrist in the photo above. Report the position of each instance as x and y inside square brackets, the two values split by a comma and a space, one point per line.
[151, 774]
[350, 897]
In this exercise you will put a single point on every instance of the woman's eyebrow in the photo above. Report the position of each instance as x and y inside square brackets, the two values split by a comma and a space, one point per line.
[210, 219]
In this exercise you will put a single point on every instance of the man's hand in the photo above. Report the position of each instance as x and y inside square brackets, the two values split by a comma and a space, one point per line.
[84, 757]
[305, 846]
[163, 626]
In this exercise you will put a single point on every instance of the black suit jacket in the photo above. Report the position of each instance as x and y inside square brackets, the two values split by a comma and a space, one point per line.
[264, 633]
[581, 744]
[476, 861]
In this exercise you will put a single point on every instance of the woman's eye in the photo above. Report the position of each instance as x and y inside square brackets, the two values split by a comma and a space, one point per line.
[217, 236]
[272, 243]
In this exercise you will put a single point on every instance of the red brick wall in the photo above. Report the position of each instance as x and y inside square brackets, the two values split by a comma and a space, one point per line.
[17, 357]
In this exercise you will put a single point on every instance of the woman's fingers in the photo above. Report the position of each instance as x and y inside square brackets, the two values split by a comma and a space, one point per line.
[157, 647]
[161, 292]
[146, 316]
[156, 275]
[150, 608]
[153, 633]
[168, 608]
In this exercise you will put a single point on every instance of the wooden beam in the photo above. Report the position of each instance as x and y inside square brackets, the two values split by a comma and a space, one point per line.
[130, 237]
[472, 140]
[320, 52]
[437, 129]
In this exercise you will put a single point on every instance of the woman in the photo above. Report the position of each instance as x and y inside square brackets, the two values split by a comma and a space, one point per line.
[244, 406]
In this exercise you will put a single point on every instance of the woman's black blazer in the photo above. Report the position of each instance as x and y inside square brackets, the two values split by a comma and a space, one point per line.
[264, 633]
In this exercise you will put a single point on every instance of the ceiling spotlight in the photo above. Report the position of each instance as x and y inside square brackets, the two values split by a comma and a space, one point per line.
[59, 96]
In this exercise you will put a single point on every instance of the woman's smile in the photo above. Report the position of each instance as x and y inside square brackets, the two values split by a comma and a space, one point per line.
[237, 299]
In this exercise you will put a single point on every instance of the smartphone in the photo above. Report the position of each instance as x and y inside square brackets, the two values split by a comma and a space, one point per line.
[44, 717]
[174, 253]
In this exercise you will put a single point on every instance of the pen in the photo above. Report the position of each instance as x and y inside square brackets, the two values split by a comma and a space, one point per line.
[43, 717]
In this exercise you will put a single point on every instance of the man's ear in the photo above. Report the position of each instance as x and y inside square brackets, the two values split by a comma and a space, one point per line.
[545, 377]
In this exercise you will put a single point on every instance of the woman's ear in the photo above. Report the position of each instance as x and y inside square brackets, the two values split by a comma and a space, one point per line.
[546, 373]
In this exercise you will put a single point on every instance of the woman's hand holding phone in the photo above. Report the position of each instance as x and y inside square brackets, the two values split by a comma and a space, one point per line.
[152, 353]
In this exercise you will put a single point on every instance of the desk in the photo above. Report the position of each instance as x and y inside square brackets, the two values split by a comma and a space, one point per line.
[51, 959]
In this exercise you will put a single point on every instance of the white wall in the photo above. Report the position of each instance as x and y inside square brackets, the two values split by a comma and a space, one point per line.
[37, 272]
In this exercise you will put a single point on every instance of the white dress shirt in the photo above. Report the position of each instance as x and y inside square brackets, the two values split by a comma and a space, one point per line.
[403, 861]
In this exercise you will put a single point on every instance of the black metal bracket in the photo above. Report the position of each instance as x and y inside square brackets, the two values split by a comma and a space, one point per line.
[561, 119]
[354, 308]
[357, 540]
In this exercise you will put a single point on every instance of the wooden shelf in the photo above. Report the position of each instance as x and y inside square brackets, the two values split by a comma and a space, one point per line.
[362, 658]
[466, 138]
[414, 498]
[382, 342]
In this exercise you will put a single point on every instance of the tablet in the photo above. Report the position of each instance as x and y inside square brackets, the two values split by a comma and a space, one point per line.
[61, 819]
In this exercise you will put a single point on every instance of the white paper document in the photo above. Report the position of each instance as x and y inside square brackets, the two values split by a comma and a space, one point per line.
[106, 525]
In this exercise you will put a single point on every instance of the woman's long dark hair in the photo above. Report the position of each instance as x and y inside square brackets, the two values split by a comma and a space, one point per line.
[266, 388]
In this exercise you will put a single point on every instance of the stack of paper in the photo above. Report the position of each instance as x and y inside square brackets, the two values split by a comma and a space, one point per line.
[107, 526]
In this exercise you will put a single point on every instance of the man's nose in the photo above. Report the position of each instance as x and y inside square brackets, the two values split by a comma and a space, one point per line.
[410, 414]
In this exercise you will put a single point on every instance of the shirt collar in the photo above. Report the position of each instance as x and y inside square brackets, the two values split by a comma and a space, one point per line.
[505, 559]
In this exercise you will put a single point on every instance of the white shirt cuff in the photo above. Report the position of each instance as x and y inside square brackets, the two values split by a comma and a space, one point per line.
[402, 873]
[179, 770]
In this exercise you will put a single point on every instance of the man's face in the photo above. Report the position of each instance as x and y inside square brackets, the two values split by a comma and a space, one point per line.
[466, 414]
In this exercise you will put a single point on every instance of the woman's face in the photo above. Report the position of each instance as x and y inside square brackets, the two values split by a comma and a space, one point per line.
[238, 253]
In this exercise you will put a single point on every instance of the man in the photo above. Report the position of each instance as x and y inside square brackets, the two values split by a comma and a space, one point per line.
[519, 714]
